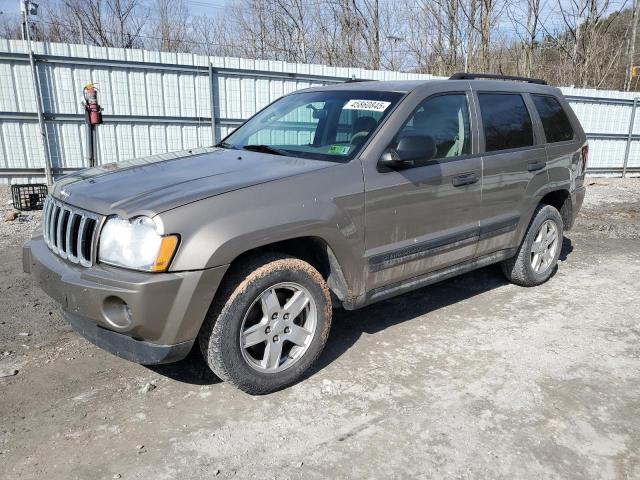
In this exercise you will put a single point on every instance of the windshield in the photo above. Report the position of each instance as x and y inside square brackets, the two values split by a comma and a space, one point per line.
[325, 125]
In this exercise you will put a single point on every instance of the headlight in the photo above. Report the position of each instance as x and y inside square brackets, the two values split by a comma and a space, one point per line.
[136, 244]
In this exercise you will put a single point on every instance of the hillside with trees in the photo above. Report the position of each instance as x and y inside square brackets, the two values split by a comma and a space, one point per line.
[586, 43]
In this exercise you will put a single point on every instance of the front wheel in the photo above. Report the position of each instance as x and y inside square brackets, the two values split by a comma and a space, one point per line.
[537, 256]
[268, 324]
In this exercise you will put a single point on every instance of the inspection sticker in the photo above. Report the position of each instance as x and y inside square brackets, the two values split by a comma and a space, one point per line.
[339, 149]
[370, 105]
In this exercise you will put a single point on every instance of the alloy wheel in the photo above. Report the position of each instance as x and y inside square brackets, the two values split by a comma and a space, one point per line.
[544, 247]
[278, 327]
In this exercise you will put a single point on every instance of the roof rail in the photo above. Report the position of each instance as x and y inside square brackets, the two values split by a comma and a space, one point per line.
[354, 79]
[491, 76]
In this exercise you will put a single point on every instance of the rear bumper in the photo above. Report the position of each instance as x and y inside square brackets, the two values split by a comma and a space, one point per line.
[147, 318]
[577, 198]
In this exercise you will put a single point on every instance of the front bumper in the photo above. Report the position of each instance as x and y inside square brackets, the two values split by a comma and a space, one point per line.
[147, 318]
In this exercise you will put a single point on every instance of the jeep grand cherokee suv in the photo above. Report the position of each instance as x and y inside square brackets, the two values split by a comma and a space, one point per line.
[340, 195]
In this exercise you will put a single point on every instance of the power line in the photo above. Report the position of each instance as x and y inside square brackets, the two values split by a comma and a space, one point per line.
[207, 5]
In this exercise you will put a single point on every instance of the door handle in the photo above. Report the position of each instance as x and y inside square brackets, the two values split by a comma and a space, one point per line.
[462, 180]
[533, 166]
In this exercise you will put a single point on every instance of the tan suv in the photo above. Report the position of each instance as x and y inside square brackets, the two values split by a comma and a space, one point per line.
[331, 196]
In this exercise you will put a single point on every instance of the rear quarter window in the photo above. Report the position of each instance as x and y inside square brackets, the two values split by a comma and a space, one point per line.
[506, 121]
[555, 123]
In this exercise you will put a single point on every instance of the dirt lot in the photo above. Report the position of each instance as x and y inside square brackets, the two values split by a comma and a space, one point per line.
[471, 378]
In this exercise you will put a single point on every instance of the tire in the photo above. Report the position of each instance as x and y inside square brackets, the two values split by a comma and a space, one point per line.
[520, 269]
[259, 298]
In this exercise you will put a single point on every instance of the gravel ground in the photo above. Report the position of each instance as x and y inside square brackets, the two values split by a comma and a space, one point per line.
[15, 232]
[469, 378]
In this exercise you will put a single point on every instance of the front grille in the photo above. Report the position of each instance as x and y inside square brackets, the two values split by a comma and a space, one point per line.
[70, 232]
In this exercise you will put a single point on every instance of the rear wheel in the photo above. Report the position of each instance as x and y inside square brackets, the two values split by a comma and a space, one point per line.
[268, 324]
[537, 256]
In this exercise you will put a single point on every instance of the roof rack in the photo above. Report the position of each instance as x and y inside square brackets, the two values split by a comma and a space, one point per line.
[491, 76]
[354, 79]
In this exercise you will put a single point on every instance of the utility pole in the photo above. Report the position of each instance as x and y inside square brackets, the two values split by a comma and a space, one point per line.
[29, 8]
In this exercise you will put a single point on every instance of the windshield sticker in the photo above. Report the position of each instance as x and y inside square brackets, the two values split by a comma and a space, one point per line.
[339, 149]
[370, 105]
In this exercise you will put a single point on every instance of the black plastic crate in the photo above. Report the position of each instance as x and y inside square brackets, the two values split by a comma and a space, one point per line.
[29, 196]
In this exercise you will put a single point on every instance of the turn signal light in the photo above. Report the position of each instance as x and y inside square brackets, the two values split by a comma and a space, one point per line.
[167, 250]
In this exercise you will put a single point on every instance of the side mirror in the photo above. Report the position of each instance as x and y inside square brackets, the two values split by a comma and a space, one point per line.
[409, 150]
[391, 159]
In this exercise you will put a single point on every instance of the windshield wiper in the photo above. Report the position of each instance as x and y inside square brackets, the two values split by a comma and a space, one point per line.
[226, 145]
[265, 149]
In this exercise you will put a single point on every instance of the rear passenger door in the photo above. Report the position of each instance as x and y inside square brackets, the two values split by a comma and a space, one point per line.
[562, 143]
[514, 167]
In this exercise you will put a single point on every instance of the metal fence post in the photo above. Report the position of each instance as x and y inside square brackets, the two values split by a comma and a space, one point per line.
[629, 137]
[212, 102]
[39, 107]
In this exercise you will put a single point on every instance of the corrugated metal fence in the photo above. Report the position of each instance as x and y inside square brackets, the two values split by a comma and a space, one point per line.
[156, 102]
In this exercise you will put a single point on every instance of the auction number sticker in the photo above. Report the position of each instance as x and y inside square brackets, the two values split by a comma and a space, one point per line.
[370, 105]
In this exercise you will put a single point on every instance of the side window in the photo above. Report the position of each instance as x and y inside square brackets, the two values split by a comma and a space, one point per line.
[556, 124]
[443, 120]
[506, 121]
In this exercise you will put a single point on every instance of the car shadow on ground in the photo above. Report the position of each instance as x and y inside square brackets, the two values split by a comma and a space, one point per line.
[192, 370]
[567, 248]
[349, 326]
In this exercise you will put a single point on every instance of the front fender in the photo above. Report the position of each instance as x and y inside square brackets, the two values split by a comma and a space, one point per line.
[327, 204]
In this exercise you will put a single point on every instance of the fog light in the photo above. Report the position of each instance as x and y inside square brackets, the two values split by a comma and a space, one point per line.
[117, 312]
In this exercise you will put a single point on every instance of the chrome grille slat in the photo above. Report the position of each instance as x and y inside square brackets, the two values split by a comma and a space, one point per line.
[55, 214]
[59, 227]
[48, 229]
[70, 255]
[45, 219]
[47, 222]
[83, 224]
[60, 235]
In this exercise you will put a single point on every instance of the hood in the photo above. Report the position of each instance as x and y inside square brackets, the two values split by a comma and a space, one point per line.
[151, 185]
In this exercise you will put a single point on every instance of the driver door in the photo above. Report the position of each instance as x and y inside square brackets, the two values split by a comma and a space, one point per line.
[425, 217]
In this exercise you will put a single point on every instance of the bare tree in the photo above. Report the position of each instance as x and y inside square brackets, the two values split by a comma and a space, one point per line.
[585, 41]
[526, 18]
[10, 27]
[106, 23]
[580, 42]
[368, 25]
[171, 26]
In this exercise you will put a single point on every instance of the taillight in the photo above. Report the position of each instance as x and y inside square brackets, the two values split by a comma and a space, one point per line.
[584, 157]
